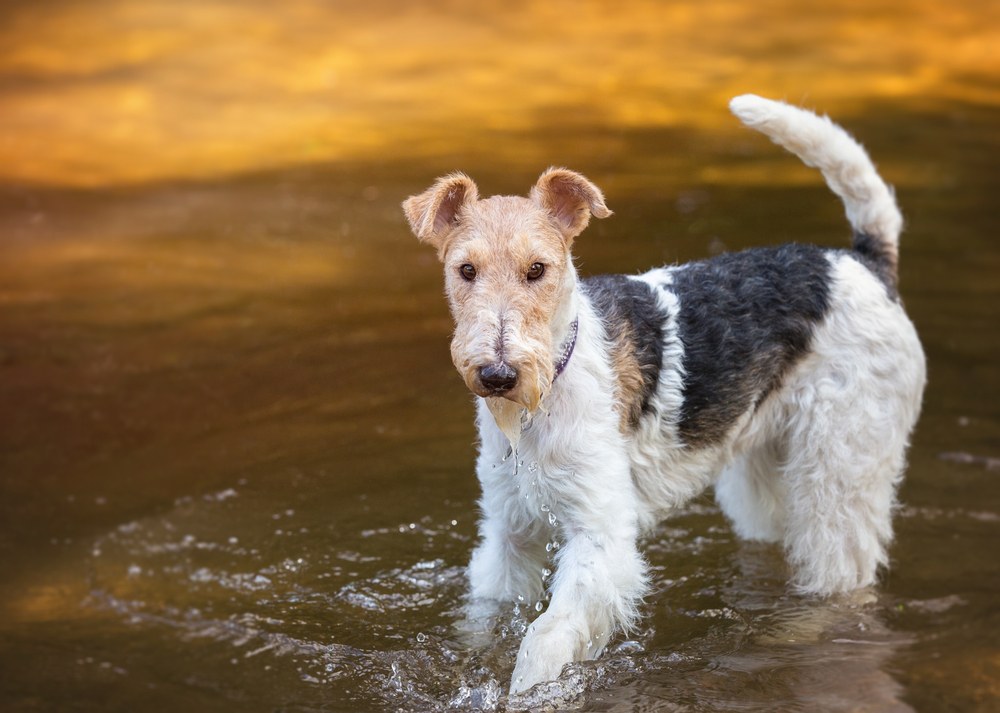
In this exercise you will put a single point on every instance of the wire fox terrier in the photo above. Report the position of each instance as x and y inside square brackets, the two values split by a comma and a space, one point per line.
[788, 377]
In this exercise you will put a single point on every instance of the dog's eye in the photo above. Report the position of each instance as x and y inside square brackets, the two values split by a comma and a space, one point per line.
[535, 271]
[468, 272]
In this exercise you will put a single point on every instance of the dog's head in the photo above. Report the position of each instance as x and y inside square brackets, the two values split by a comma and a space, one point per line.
[509, 275]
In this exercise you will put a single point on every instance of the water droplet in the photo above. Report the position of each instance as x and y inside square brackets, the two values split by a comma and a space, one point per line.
[545, 508]
[520, 597]
[533, 468]
[548, 546]
[545, 570]
[421, 637]
[552, 518]
[538, 606]
[510, 451]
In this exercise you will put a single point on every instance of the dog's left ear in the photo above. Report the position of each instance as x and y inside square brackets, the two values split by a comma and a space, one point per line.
[570, 198]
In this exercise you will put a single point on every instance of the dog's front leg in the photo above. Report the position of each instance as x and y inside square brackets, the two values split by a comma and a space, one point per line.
[507, 564]
[600, 578]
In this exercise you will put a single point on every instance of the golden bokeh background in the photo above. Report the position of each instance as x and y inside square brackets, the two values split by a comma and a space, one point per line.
[125, 92]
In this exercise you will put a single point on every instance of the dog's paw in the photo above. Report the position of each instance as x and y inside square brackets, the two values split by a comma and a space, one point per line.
[550, 644]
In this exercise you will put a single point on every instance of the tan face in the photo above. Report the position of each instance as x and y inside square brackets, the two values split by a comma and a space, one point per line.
[509, 276]
[506, 278]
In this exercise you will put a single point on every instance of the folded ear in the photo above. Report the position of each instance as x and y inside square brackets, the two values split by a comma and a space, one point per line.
[570, 199]
[433, 213]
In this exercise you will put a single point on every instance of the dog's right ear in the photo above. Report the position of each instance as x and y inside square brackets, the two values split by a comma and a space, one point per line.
[434, 213]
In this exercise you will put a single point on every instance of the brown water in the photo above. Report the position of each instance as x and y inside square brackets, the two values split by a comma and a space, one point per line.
[235, 461]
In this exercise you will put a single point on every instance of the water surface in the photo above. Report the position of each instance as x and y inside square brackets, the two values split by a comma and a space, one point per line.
[235, 460]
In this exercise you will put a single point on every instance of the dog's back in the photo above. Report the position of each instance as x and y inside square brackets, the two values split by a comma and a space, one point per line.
[791, 369]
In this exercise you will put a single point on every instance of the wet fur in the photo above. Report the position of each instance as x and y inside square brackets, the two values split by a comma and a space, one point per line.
[789, 378]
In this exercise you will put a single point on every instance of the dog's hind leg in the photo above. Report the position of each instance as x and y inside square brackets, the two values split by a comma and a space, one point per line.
[752, 495]
[841, 483]
[852, 406]
[846, 454]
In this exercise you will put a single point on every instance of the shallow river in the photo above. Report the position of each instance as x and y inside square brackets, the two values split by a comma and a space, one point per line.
[235, 459]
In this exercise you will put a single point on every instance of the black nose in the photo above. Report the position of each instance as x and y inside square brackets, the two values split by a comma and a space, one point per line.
[498, 378]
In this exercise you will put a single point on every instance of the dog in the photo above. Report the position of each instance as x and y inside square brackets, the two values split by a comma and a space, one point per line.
[789, 378]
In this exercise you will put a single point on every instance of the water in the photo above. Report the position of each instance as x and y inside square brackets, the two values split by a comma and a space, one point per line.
[235, 460]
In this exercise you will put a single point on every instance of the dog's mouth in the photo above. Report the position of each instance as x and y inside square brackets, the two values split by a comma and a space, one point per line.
[523, 386]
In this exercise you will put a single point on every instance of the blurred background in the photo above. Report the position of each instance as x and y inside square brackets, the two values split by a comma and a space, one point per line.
[235, 459]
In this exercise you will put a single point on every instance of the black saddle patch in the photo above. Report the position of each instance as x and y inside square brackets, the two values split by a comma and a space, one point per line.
[745, 318]
[633, 323]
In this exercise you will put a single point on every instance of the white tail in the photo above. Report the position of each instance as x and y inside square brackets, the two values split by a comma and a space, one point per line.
[871, 206]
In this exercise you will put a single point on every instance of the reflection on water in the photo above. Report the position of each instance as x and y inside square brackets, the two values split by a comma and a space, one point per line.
[235, 461]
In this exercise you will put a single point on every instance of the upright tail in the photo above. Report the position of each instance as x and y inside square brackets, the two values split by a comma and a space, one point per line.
[871, 206]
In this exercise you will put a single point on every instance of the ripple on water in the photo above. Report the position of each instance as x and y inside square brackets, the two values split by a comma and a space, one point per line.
[324, 606]
[380, 611]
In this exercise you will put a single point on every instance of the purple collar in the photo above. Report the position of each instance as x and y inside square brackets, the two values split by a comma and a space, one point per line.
[567, 349]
